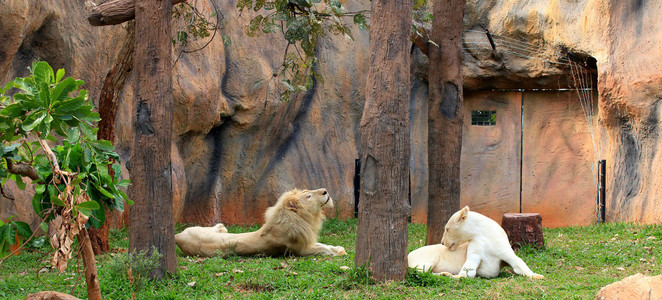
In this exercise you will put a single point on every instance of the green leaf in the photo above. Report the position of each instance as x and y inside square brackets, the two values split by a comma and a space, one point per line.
[44, 226]
[97, 218]
[91, 205]
[43, 73]
[7, 233]
[103, 145]
[104, 192]
[22, 228]
[36, 203]
[287, 84]
[72, 135]
[12, 110]
[87, 207]
[40, 189]
[59, 75]
[57, 201]
[38, 242]
[68, 106]
[119, 203]
[117, 170]
[44, 95]
[19, 181]
[33, 123]
[360, 21]
[62, 89]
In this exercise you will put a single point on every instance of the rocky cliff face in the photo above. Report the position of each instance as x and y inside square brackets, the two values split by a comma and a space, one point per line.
[237, 147]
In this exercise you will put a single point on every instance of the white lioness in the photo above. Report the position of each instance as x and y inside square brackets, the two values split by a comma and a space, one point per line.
[472, 245]
[291, 226]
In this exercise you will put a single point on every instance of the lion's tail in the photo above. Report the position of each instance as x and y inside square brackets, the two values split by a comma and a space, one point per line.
[220, 228]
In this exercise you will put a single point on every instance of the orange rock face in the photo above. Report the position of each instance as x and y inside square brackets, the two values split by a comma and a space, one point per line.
[238, 147]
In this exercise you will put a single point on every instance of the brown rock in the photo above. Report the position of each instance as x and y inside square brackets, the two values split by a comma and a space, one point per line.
[636, 286]
[50, 295]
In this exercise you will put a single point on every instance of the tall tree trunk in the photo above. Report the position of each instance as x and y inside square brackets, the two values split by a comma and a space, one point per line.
[444, 116]
[112, 87]
[383, 209]
[150, 218]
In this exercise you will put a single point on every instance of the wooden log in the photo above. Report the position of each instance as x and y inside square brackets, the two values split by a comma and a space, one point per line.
[115, 12]
[523, 228]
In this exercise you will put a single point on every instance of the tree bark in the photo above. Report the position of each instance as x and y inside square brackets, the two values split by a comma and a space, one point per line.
[151, 216]
[90, 266]
[383, 208]
[115, 12]
[108, 102]
[444, 116]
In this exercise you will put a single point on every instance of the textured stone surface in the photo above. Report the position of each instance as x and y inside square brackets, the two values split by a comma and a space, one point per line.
[636, 286]
[238, 147]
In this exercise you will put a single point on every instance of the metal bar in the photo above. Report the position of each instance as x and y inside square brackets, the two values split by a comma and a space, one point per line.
[603, 190]
[357, 185]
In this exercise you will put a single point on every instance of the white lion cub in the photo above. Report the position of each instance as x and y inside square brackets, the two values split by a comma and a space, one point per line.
[487, 246]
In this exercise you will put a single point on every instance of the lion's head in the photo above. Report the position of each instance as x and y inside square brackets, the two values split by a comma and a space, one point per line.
[455, 232]
[306, 204]
[300, 213]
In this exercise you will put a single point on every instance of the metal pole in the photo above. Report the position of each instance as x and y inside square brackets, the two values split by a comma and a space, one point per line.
[357, 186]
[602, 166]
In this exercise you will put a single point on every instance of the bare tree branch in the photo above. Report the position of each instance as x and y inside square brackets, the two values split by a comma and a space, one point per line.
[22, 169]
[115, 12]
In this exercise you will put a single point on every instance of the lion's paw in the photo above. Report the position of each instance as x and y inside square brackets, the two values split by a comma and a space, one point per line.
[339, 250]
[536, 276]
[220, 228]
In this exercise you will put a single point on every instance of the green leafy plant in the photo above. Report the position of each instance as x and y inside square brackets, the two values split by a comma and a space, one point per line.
[302, 23]
[77, 177]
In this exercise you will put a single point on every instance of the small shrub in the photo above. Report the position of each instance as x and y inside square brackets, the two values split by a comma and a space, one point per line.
[133, 269]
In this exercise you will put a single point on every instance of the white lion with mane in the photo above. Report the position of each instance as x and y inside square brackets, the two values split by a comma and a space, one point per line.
[291, 226]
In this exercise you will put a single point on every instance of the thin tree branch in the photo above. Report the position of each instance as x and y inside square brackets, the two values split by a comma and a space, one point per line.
[114, 12]
[22, 169]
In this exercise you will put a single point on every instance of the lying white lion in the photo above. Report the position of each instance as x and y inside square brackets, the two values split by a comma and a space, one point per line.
[472, 245]
[291, 226]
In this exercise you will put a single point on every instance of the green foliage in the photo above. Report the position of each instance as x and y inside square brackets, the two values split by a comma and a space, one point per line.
[189, 24]
[133, 267]
[302, 23]
[361, 275]
[32, 110]
[11, 233]
[417, 278]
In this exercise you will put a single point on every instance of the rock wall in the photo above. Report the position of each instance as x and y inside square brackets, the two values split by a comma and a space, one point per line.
[237, 147]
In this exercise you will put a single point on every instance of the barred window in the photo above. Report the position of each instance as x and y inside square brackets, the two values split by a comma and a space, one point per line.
[483, 117]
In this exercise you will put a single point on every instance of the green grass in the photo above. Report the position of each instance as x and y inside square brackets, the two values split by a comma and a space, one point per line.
[576, 262]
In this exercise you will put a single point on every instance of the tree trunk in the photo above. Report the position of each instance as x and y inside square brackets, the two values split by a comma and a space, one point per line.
[90, 266]
[112, 87]
[383, 208]
[444, 116]
[150, 218]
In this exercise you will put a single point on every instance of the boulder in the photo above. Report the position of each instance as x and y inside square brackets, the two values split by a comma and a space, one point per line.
[636, 286]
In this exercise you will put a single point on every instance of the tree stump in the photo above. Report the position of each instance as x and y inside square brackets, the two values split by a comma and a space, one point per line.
[523, 228]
